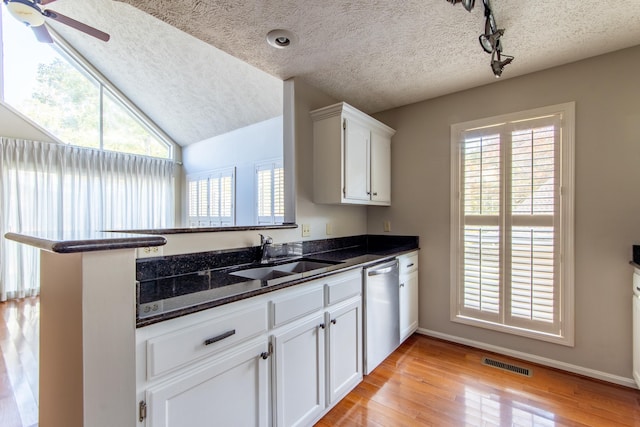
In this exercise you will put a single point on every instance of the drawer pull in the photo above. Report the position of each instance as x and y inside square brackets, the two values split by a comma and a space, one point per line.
[220, 337]
[410, 265]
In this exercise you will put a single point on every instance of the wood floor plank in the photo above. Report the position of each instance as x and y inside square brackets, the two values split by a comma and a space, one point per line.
[438, 383]
[19, 332]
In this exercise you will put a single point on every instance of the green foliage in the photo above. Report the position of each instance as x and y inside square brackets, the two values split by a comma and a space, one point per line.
[66, 102]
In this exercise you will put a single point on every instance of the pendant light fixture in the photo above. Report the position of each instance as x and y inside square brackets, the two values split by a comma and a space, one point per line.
[490, 39]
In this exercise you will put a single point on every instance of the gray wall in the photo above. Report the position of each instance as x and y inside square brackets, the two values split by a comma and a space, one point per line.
[607, 189]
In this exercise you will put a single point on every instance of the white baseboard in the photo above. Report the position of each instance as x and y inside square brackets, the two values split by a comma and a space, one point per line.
[587, 372]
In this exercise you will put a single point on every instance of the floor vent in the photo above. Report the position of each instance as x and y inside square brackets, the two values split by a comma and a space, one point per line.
[507, 367]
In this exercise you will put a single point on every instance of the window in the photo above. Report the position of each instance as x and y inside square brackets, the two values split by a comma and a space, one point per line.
[512, 223]
[57, 89]
[211, 198]
[270, 192]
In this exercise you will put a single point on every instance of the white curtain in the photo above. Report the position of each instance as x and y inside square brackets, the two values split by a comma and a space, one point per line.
[51, 187]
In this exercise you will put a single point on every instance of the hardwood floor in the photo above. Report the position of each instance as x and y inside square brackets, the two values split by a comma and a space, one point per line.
[426, 382]
[19, 327]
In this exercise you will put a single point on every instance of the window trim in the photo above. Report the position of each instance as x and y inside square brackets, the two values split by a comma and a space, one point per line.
[566, 221]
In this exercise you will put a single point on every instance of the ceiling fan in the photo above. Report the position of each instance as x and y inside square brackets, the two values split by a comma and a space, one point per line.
[30, 13]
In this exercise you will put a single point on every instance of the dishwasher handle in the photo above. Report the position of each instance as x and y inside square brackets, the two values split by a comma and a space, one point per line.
[383, 270]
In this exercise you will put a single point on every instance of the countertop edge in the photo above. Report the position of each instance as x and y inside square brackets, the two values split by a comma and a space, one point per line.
[90, 244]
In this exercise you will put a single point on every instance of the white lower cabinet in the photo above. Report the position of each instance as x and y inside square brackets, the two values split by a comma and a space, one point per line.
[317, 359]
[282, 359]
[344, 349]
[233, 390]
[299, 372]
[409, 285]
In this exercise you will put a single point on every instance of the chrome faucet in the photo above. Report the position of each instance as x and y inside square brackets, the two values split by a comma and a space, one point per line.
[265, 241]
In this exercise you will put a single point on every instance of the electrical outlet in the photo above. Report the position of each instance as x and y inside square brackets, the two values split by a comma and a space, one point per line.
[306, 230]
[149, 252]
[387, 226]
[149, 309]
[329, 229]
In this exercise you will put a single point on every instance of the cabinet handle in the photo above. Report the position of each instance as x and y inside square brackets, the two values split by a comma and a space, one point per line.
[402, 285]
[321, 325]
[220, 337]
[265, 354]
[375, 194]
[334, 321]
[409, 265]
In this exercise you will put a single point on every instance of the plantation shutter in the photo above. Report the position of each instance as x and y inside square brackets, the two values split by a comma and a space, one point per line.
[509, 218]
[534, 191]
[270, 192]
[211, 198]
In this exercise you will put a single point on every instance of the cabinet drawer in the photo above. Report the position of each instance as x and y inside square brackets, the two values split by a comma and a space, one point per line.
[408, 262]
[344, 287]
[295, 306]
[175, 349]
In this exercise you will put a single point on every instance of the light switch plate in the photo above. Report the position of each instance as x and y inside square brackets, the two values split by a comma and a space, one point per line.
[387, 226]
[329, 229]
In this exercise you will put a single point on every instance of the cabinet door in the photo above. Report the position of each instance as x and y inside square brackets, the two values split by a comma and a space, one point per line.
[380, 168]
[344, 349]
[356, 161]
[636, 338]
[408, 304]
[233, 391]
[299, 373]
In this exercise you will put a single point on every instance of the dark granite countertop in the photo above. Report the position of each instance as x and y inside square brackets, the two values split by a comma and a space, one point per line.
[85, 241]
[167, 297]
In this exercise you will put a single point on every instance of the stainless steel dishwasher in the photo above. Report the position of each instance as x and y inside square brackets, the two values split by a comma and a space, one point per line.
[382, 313]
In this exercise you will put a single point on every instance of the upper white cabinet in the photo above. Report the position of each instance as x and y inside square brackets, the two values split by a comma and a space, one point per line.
[351, 157]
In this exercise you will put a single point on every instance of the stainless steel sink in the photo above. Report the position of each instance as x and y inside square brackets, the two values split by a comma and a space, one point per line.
[302, 266]
[262, 273]
[284, 271]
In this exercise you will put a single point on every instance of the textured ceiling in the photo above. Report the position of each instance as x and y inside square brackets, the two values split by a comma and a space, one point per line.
[374, 54]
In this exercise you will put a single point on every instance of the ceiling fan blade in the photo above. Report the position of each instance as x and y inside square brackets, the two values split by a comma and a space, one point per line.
[42, 34]
[76, 24]
[43, 2]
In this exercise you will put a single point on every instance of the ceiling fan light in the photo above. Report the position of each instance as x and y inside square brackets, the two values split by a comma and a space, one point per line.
[25, 13]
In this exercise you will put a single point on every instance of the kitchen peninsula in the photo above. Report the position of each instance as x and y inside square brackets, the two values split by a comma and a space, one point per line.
[90, 311]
